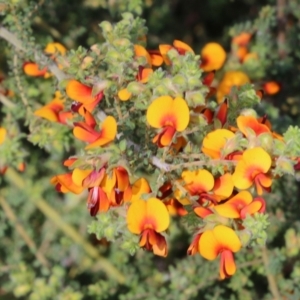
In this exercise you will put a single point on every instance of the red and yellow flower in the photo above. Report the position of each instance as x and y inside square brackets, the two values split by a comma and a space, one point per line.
[253, 169]
[148, 219]
[85, 131]
[33, 69]
[220, 241]
[83, 94]
[54, 111]
[230, 79]
[216, 142]
[240, 205]
[170, 115]
[213, 57]
[179, 46]
[248, 122]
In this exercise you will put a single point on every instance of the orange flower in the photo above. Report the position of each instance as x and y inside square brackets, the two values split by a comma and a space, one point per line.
[142, 76]
[194, 246]
[240, 205]
[213, 57]
[181, 48]
[253, 168]
[169, 114]
[223, 241]
[33, 69]
[242, 39]
[92, 180]
[85, 131]
[64, 184]
[149, 218]
[215, 143]
[53, 111]
[230, 79]
[53, 48]
[198, 183]
[271, 87]
[117, 187]
[2, 135]
[82, 93]
[248, 122]
[175, 208]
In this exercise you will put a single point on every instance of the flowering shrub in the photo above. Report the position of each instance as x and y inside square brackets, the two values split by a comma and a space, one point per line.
[157, 137]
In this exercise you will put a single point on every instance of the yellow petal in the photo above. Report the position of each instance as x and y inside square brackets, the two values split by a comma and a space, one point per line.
[158, 211]
[135, 216]
[215, 141]
[2, 135]
[166, 111]
[208, 245]
[79, 175]
[124, 95]
[227, 238]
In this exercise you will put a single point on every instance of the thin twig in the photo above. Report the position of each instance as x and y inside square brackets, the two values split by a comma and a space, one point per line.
[7, 102]
[15, 179]
[18, 81]
[271, 278]
[20, 229]
[14, 41]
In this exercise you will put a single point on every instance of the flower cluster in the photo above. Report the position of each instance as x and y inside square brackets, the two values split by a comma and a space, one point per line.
[201, 163]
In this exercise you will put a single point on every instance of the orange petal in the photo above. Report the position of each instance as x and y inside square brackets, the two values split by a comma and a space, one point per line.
[32, 69]
[160, 246]
[209, 246]
[202, 212]
[227, 264]
[84, 133]
[79, 175]
[146, 72]
[122, 178]
[182, 47]
[245, 122]
[164, 49]
[156, 58]
[242, 39]
[223, 186]
[124, 95]
[213, 57]
[141, 51]
[79, 92]
[233, 207]
[52, 48]
[108, 133]
[2, 135]
[215, 141]
[230, 79]
[67, 183]
[271, 87]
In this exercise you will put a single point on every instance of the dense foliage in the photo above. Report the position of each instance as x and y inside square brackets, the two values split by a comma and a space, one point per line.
[168, 126]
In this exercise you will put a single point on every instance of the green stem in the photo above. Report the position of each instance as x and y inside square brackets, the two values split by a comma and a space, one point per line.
[20, 229]
[69, 230]
[14, 41]
[271, 278]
